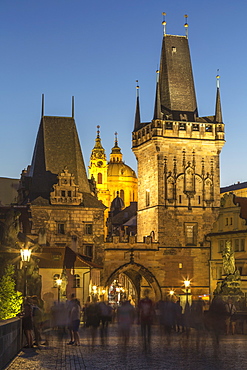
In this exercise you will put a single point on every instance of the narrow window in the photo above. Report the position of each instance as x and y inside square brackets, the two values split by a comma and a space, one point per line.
[226, 221]
[89, 250]
[190, 233]
[242, 245]
[60, 229]
[236, 245]
[63, 193]
[147, 198]
[88, 229]
[99, 178]
[221, 245]
[77, 281]
[69, 193]
[199, 199]
[180, 199]
[122, 194]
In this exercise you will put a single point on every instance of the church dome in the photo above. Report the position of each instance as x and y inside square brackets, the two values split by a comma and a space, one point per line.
[116, 166]
[117, 204]
[120, 169]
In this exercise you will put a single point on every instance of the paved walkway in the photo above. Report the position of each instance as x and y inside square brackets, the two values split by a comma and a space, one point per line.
[182, 353]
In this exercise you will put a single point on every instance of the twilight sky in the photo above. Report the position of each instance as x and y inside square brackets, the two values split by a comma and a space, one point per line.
[96, 50]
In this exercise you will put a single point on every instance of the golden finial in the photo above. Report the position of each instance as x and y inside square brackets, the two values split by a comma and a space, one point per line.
[186, 25]
[157, 75]
[218, 79]
[164, 22]
[137, 85]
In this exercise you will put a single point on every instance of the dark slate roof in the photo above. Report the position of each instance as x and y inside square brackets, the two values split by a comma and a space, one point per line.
[57, 145]
[239, 185]
[177, 91]
[126, 215]
[8, 191]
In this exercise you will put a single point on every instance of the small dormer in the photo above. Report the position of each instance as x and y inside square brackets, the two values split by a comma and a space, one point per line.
[66, 191]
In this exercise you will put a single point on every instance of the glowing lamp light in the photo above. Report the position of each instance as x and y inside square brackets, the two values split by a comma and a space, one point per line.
[187, 283]
[171, 292]
[94, 288]
[59, 282]
[103, 291]
[25, 254]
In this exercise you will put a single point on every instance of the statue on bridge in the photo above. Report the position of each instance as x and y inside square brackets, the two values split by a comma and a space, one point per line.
[230, 284]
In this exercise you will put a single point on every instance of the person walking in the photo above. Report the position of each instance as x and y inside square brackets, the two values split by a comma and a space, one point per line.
[230, 319]
[146, 315]
[125, 318]
[105, 311]
[75, 317]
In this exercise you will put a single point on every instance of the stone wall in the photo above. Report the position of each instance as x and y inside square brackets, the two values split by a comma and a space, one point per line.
[10, 340]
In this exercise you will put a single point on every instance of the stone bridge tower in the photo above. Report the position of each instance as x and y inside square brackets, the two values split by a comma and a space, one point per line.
[178, 156]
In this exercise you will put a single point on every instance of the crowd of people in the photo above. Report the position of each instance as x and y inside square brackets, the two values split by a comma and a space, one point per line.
[167, 314]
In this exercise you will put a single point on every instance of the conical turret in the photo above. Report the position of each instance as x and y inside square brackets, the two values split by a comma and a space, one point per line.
[137, 115]
[157, 105]
[218, 111]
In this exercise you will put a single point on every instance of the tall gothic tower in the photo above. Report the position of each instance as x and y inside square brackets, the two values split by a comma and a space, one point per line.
[178, 157]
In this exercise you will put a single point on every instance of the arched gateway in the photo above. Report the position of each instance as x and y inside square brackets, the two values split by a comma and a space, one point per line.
[139, 277]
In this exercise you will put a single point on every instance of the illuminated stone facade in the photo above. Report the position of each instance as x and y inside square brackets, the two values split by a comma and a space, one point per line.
[230, 226]
[112, 177]
[178, 184]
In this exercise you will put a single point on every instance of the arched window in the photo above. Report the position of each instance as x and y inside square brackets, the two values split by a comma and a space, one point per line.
[122, 194]
[99, 178]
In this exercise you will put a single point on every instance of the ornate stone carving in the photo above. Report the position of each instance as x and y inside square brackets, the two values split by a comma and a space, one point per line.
[66, 191]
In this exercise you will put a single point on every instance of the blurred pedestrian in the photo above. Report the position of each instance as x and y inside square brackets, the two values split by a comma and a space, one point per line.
[69, 306]
[105, 311]
[231, 317]
[146, 316]
[75, 317]
[38, 316]
[27, 322]
[125, 318]
[92, 314]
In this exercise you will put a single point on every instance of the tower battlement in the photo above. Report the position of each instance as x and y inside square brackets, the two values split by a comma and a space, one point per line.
[179, 130]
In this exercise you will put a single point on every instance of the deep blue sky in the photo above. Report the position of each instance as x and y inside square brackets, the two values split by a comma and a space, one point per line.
[95, 50]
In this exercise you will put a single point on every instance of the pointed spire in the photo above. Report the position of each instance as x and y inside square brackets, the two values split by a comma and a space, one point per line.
[137, 115]
[73, 106]
[218, 111]
[42, 105]
[164, 23]
[116, 155]
[116, 140]
[186, 25]
[157, 106]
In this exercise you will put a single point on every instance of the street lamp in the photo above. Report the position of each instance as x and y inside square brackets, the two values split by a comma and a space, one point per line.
[59, 283]
[171, 292]
[25, 258]
[187, 285]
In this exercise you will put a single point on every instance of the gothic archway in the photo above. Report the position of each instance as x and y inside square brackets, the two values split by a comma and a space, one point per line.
[136, 273]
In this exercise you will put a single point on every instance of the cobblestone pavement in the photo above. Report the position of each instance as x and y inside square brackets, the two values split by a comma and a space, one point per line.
[182, 353]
